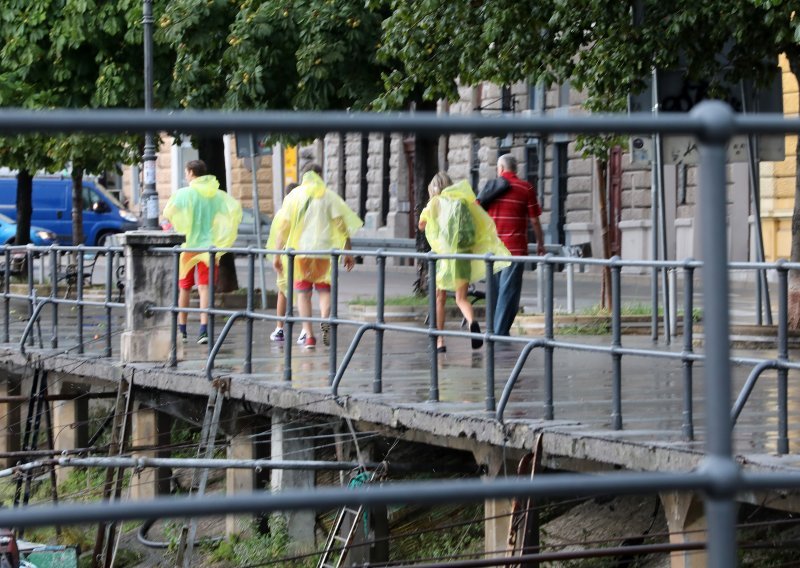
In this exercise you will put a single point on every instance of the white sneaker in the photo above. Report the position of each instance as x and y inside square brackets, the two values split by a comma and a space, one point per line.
[302, 338]
[276, 335]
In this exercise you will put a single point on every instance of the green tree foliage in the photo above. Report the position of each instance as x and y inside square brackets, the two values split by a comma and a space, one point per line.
[73, 54]
[273, 54]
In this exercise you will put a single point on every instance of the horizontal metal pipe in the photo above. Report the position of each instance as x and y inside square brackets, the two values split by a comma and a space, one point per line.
[16, 121]
[189, 463]
[421, 493]
[57, 397]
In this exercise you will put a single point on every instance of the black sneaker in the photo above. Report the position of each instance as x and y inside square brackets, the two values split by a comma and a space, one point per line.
[202, 338]
[184, 339]
[326, 333]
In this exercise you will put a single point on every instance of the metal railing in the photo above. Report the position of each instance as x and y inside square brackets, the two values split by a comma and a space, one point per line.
[719, 478]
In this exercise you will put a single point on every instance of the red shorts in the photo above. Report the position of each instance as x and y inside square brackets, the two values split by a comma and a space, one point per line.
[305, 286]
[188, 281]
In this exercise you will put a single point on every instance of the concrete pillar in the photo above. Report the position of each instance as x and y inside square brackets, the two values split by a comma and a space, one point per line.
[70, 420]
[240, 447]
[150, 428]
[149, 280]
[289, 443]
[10, 416]
[687, 523]
[498, 511]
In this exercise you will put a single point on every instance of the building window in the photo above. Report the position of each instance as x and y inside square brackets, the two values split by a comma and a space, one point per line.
[475, 164]
[363, 185]
[342, 165]
[386, 178]
[507, 102]
[563, 94]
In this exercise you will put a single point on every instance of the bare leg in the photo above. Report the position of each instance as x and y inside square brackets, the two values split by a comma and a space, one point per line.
[463, 303]
[324, 302]
[441, 298]
[304, 307]
[183, 302]
[280, 310]
[203, 290]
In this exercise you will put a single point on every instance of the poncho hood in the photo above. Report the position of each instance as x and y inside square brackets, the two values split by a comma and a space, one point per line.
[206, 186]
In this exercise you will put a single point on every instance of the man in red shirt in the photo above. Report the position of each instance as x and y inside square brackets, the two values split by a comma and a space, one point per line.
[511, 210]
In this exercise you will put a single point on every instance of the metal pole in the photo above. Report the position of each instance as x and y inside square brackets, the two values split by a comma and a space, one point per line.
[654, 164]
[720, 504]
[248, 340]
[79, 295]
[257, 221]
[783, 355]
[762, 287]
[491, 295]
[189, 463]
[548, 335]
[688, 320]
[150, 196]
[377, 381]
[616, 343]
[334, 316]
[53, 294]
[433, 393]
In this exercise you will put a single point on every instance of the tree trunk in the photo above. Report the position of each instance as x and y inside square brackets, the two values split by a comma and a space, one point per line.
[77, 206]
[24, 207]
[426, 161]
[212, 152]
[793, 56]
[605, 292]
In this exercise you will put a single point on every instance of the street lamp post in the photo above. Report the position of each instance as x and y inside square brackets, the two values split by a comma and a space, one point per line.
[149, 196]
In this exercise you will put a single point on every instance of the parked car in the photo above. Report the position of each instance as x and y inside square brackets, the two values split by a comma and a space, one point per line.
[39, 235]
[103, 215]
[247, 230]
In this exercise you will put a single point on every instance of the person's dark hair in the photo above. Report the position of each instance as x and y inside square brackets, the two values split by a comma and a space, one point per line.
[311, 167]
[197, 167]
[290, 187]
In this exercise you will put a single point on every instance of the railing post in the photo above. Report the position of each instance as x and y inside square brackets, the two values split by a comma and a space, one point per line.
[79, 295]
[248, 329]
[6, 299]
[688, 322]
[717, 121]
[332, 365]
[491, 404]
[377, 383]
[109, 283]
[549, 412]
[173, 320]
[783, 355]
[148, 282]
[616, 343]
[433, 395]
[53, 294]
[212, 280]
[289, 324]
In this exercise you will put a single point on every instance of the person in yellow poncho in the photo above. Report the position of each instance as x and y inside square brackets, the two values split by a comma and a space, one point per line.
[315, 218]
[454, 223]
[208, 217]
[280, 281]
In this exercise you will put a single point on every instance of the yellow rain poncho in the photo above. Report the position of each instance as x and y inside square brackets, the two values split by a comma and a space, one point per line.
[456, 224]
[313, 218]
[207, 216]
[273, 243]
